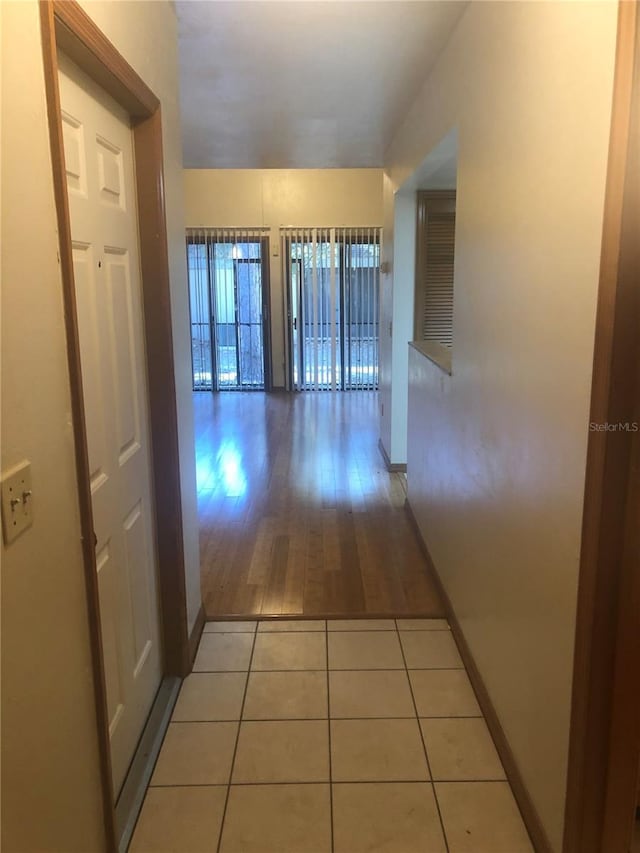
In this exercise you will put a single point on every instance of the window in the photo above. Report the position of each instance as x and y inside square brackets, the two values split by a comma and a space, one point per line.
[229, 305]
[332, 276]
[435, 241]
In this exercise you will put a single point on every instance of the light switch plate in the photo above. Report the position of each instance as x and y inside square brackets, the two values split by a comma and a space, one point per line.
[17, 501]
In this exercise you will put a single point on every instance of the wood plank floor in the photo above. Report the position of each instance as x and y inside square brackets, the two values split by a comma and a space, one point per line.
[298, 514]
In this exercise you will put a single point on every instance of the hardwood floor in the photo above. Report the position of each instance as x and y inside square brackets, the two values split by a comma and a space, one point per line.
[298, 514]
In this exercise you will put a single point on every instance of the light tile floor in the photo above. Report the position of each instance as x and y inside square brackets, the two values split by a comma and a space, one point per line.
[346, 736]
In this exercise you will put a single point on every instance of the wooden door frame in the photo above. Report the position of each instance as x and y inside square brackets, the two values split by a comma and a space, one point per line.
[604, 753]
[67, 28]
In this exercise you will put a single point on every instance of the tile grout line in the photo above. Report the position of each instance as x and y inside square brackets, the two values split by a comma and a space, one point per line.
[424, 745]
[235, 747]
[326, 625]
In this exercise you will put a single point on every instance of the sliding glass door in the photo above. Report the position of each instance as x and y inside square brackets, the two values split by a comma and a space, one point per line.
[332, 281]
[229, 297]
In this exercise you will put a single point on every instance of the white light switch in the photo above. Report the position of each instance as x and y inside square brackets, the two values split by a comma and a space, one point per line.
[17, 501]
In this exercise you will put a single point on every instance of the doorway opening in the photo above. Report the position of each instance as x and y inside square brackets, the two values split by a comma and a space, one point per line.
[229, 299]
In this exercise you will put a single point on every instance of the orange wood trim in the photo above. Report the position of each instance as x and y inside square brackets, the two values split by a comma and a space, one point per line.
[156, 296]
[605, 722]
[294, 617]
[82, 41]
[50, 62]
[525, 803]
[624, 736]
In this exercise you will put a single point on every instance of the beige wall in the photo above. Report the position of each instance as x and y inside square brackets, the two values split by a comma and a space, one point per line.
[50, 776]
[271, 198]
[496, 452]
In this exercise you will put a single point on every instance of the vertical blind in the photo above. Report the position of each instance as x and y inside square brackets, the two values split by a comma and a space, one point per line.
[225, 298]
[434, 269]
[332, 279]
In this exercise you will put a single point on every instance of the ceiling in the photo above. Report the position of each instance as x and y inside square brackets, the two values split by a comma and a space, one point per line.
[304, 84]
[439, 169]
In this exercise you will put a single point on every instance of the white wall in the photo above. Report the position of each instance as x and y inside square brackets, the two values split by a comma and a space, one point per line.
[397, 299]
[496, 452]
[51, 790]
[386, 382]
[271, 198]
[404, 255]
[436, 172]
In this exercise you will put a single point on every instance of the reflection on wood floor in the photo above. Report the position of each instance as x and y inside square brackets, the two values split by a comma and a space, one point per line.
[298, 514]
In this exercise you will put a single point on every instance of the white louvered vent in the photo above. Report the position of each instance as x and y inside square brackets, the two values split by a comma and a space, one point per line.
[434, 273]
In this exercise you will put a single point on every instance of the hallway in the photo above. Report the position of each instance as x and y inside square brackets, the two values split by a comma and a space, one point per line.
[297, 513]
[306, 736]
[319, 734]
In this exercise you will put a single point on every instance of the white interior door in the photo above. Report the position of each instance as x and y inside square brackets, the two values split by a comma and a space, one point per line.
[98, 148]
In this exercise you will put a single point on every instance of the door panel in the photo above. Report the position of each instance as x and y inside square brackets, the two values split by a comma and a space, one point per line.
[121, 334]
[101, 191]
[107, 595]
